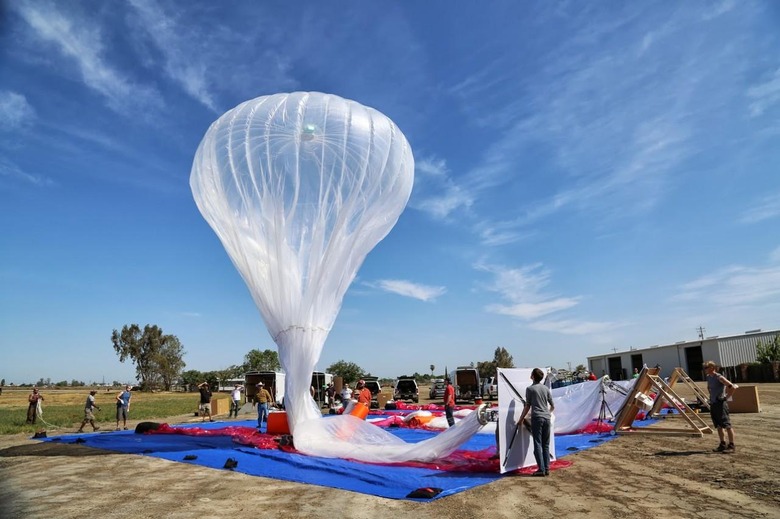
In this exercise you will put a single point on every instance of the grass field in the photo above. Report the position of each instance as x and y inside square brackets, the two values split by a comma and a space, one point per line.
[65, 408]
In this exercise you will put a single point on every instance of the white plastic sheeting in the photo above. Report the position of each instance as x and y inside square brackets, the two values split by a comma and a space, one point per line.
[299, 188]
[578, 405]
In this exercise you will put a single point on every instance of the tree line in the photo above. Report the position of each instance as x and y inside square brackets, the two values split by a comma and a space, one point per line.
[159, 362]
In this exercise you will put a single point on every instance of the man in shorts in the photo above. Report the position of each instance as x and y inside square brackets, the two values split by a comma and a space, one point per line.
[205, 401]
[721, 390]
[89, 412]
[123, 407]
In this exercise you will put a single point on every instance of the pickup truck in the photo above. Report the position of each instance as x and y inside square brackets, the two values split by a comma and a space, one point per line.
[490, 388]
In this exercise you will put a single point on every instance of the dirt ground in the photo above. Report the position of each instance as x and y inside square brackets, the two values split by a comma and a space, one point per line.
[637, 476]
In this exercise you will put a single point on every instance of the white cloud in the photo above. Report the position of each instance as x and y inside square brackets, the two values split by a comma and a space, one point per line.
[9, 170]
[409, 289]
[523, 289]
[533, 310]
[435, 192]
[765, 208]
[734, 286]
[15, 111]
[764, 94]
[81, 41]
[570, 327]
[615, 122]
[774, 256]
[175, 43]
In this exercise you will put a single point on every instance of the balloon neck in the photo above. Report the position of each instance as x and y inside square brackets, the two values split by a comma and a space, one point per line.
[300, 329]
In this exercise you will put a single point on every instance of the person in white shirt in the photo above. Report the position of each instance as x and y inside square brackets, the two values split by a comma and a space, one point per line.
[346, 395]
[235, 400]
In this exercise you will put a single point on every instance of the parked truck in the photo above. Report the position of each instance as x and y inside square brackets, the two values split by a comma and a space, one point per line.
[273, 381]
[467, 386]
[320, 381]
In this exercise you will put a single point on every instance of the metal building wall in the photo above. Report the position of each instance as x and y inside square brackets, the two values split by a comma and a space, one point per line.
[740, 349]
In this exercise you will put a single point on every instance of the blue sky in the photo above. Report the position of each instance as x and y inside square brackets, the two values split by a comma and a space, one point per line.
[588, 176]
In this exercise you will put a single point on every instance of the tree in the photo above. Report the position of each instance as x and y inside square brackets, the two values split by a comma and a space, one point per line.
[266, 360]
[501, 359]
[432, 369]
[168, 361]
[191, 378]
[768, 352]
[348, 371]
[2, 382]
[157, 357]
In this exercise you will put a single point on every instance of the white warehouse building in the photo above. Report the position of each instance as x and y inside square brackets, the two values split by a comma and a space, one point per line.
[729, 351]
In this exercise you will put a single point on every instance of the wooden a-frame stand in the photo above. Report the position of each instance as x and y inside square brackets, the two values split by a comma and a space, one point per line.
[649, 381]
[678, 374]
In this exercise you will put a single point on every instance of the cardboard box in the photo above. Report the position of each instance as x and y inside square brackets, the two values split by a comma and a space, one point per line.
[745, 400]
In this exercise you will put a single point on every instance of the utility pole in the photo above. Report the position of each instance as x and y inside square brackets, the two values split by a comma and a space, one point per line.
[700, 329]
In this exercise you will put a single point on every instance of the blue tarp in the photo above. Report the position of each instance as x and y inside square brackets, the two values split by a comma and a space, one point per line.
[395, 482]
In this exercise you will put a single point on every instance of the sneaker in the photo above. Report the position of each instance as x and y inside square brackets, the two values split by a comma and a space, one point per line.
[720, 448]
[96, 428]
[730, 448]
[210, 420]
[546, 472]
[117, 429]
[125, 428]
[80, 431]
[538, 473]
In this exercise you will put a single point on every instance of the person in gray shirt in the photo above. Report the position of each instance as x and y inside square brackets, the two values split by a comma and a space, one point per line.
[539, 400]
[720, 389]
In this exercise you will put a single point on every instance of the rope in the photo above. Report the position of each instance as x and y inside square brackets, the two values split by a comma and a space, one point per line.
[39, 413]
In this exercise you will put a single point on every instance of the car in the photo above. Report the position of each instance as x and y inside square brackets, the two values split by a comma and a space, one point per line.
[372, 383]
[405, 388]
[437, 389]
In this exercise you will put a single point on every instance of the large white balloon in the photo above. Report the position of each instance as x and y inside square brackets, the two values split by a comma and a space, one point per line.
[299, 188]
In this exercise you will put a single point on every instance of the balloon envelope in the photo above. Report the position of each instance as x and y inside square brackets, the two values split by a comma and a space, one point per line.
[299, 188]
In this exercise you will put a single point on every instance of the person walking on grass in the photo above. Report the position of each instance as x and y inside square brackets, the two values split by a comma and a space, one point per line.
[123, 407]
[89, 412]
[539, 400]
[721, 390]
[32, 409]
[205, 401]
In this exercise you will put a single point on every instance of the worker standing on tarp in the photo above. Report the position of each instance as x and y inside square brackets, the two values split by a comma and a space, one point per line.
[539, 400]
[449, 401]
[263, 402]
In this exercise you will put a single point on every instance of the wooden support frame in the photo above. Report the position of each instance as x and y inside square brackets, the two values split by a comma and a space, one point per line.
[650, 381]
[679, 374]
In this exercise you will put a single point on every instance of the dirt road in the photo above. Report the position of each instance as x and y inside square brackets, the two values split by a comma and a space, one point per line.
[637, 477]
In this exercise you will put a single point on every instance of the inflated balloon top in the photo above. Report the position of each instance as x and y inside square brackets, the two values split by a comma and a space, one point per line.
[299, 188]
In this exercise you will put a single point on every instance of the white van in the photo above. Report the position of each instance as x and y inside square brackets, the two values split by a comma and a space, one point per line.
[272, 380]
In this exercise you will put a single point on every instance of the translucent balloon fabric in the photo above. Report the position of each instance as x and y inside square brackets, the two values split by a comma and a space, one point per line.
[578, 405]
[299, 188]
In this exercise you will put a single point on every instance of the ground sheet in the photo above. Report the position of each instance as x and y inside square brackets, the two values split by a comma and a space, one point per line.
[390, 481]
